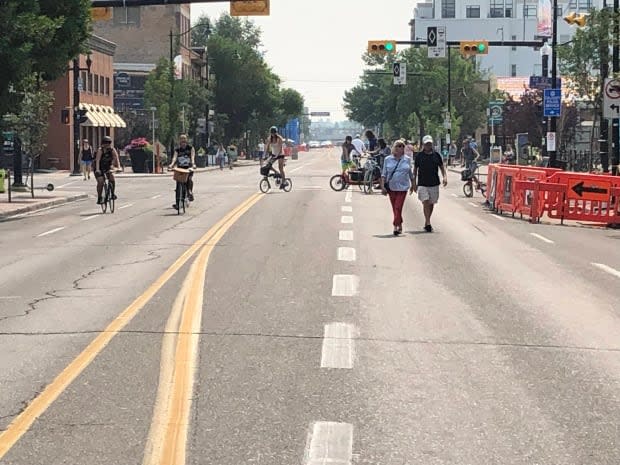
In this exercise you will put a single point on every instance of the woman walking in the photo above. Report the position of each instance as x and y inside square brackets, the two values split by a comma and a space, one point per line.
[396, 180]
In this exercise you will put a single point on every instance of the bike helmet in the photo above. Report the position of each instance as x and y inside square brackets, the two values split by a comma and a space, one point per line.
[273, 129]
[106, 140]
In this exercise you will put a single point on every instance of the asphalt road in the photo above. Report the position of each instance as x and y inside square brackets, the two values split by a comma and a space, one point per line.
[293, 328]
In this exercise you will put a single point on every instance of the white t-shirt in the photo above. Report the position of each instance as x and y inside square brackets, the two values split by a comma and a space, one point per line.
[359, 145]
[261, 147]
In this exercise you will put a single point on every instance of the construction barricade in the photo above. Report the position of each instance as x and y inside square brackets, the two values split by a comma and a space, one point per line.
[562, 195]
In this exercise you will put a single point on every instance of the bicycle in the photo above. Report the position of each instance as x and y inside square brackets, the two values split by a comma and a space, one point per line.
[268, 171]
[372, 175]
[471, 176]
[108, 195]
[181, 175]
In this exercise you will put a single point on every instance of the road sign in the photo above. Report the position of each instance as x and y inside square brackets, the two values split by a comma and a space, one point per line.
[552, 105]
[496, 112]
[319, 113]
[551, 141]
[589, 190]
[399, 71]
[436, 41]
[544, 82]
[611, 98]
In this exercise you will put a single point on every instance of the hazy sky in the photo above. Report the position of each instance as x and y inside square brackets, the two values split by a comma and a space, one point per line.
[315, 46]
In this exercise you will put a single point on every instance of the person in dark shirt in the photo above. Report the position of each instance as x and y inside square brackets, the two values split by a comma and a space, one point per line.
[426, 169]
[372, 140]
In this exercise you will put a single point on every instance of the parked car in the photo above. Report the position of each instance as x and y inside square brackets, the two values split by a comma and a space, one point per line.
[327, 144]
[314, 144]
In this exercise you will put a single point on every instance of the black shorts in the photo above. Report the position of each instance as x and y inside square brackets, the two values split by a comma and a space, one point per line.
[104, 169]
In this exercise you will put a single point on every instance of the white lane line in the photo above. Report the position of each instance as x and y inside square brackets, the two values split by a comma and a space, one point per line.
[337, 351]
[348, 196]
[542, 238]
[65, 185]
[454, 195]
[330, 443]
[51, 231]
[302, 166]
[345, 235]
[346, 254]
[346, 219]
[88, 218]
[497, 217]
[607, 269]
[156, 197]
[126, 206]
[345, 285]
[9, 297]
[346, 209]
[473, 204]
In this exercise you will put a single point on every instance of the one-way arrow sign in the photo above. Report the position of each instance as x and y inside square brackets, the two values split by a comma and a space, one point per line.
[580, 189]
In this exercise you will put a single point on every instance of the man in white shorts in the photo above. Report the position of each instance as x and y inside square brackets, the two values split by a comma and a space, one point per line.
[426, 169]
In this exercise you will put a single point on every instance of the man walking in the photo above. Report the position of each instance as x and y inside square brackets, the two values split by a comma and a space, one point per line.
[426, 169]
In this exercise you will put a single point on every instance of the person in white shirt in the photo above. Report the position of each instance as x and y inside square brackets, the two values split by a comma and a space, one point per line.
[261, 150]
[360, 148]
[275, 148]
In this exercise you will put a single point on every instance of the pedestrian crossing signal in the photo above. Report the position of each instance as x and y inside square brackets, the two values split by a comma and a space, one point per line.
[471, 48]
[381, 46]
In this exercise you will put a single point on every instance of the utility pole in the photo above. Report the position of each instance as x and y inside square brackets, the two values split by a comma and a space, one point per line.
[554, 78]
[603, 139]
[615, 123]
[449, 128]
[545, 51]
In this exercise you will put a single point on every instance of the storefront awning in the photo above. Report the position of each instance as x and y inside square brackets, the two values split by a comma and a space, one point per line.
[101, 116]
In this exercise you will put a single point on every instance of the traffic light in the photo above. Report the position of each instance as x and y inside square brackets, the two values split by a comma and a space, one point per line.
[474, 47]
[81, 116]
[381, 46]
[574, 18]
[64, 116]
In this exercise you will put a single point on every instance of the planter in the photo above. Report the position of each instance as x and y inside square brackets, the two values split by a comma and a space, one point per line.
[201, 162]
[138, 160]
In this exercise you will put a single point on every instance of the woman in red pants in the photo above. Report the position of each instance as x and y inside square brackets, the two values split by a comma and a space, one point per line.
[396, 180]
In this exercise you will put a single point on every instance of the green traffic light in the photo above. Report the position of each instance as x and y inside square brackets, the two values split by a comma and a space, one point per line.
[389, 46]
[481, 48]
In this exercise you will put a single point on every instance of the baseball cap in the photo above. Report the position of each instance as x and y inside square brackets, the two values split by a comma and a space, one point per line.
[427, 139]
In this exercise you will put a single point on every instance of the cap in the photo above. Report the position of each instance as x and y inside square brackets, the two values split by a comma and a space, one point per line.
[427, 139]
[106, 139]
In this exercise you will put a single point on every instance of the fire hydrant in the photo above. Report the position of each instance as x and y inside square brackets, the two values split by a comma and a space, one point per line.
[2, 177]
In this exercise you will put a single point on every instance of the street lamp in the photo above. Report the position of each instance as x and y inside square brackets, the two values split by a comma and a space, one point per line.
[545, 51]
[554, 83]
[153, 110]
[76, 110]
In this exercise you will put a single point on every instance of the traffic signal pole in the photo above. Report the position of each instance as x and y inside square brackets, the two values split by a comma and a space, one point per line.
[76, 117]
[554, 77]
[603, 139]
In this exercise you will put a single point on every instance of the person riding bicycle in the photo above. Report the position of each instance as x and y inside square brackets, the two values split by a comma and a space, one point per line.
[275, 148]
[470, 155]
[345, 158]
[106, 157]
[185, 157]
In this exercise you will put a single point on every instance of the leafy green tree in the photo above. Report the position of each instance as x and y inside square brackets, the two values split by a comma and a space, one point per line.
[39, 37]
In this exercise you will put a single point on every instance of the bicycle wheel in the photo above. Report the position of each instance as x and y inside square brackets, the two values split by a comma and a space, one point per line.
[264, 185]
[111, 198]
[368, 183]
[337, 183]
[288, 184]
[468, 189]
[104, 205]
[179, 198]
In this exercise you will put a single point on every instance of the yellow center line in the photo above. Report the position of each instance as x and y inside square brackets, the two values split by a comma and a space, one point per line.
[22, 423]
[167, 441]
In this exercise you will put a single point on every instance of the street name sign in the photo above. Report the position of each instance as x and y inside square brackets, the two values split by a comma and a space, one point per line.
[552, 102]
[543, 82]
[611, 98]
[319, 113]
[436, 41]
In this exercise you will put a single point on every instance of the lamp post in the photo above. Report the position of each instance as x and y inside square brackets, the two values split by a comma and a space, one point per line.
[554, 78]
[545, 51]
[76, 110]
[153, 110]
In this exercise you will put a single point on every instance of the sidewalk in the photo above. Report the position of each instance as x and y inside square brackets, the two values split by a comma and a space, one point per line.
[22, 202]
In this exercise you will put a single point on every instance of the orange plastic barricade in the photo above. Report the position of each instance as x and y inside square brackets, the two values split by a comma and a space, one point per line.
[506, 200]
[588, 198]
[526, 203]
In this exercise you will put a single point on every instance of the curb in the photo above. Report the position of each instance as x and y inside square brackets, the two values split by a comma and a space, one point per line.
[42, 205]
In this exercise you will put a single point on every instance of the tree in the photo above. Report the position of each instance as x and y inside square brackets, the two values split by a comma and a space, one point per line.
[39, 37]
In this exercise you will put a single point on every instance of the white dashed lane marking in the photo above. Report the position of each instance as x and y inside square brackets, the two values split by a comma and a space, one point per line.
[607, 269]
[346, 209]
[47, 233]
[346, 219]
[346, 254]
[338, 346]
[345, 285]
[88, 218]
[330, 443]
[126, 206]
[345, 235]
[542, 238]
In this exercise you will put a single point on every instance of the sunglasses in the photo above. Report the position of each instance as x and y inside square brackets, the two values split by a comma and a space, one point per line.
[399, 146]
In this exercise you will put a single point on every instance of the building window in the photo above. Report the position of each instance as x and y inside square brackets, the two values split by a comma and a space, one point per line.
[559, 11]
[96, 83]
[514, 47]
[89, 86]
[513, 70]
[496, 9]
[537, 69]
[84, 80]
[508, 8]
[473, 11]
[448, 8]
[107, 86]
[126, 15]
[529, 11]
[102, 85]
[580, 5]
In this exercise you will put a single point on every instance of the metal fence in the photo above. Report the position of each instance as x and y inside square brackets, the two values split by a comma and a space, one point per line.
[582, 160]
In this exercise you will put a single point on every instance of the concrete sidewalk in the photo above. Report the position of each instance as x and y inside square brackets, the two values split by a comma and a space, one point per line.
[22, 202]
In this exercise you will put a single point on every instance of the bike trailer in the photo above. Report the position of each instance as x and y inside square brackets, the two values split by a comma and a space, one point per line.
[356, 175]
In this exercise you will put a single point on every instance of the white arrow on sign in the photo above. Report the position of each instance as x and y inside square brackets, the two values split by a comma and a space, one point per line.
[611, 98]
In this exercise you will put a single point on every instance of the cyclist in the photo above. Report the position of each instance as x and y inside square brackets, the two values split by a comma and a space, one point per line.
[469, 154]
[360, 148]
[345, 157]
[106, 157]
[185, 157]
[275, 148]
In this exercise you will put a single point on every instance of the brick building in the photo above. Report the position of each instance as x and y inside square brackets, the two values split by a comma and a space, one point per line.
[96, 96]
